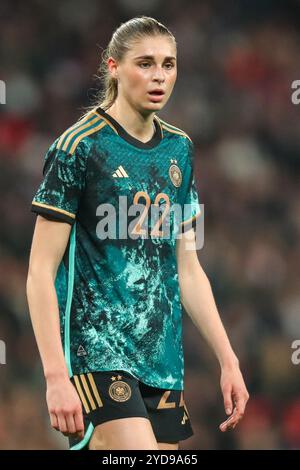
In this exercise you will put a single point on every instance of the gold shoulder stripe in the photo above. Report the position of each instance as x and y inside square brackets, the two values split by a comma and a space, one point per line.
[171, 126]
[159, 123]
[78, 130]
[87, 392]
[88, 132]
[107, 122]
[176, 132]
[81, 394]
[174, 129]
[75, 126]
[56, 209]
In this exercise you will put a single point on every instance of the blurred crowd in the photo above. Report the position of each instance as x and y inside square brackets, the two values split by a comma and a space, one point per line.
[236, 63]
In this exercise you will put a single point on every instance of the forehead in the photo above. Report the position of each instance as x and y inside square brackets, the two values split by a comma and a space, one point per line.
[157, 46]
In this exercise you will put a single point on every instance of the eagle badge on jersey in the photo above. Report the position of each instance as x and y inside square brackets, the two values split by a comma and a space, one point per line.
[175, 174]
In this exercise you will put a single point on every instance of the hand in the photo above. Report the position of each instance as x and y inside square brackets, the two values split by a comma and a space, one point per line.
[235, 396]
[64, 407]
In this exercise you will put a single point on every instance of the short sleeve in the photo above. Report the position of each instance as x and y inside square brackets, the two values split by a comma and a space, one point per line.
[59, 193]
[191, 209]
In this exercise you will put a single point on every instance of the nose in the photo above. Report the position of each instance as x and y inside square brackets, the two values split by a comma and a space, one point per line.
[159, 74]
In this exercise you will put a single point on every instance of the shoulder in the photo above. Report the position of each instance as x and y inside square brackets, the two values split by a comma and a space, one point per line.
[168, 128]
[79, 136]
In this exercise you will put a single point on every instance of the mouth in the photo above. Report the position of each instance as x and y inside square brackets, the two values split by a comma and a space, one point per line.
[156, 92]
[156, 95]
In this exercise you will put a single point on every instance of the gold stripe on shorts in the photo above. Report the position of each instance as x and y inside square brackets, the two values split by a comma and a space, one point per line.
[94, 388]
[81, 394]
[87, 391]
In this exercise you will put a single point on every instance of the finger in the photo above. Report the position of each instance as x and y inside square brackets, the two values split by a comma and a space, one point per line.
[226, 425]
[233, 423]
[71, 428]
[79, 424]
[223, 426]
[230, 422]
[228, 405]
[62, 423]
[240, 402]
[54, 421]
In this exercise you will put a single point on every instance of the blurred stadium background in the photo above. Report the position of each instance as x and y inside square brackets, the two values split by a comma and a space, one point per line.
[237, 60]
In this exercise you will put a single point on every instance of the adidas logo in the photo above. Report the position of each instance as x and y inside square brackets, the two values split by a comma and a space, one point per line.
[81, 351]
[120, 173]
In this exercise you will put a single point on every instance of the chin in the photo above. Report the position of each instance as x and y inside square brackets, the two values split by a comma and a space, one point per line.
[154, 106]
[150, 107]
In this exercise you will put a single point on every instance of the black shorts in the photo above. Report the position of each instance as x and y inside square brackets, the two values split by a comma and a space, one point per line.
[109, 395]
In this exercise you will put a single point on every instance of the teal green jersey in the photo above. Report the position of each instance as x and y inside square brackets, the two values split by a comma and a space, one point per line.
[117, 284]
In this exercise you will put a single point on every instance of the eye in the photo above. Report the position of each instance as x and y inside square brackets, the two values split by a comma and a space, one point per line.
[144, 64]
[169, 65]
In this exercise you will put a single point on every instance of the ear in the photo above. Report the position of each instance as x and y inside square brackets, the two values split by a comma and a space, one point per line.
[112, 67]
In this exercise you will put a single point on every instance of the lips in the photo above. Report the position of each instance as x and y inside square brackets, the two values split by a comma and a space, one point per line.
[156, 92]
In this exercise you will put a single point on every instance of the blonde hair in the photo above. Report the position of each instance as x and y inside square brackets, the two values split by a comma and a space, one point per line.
[122, 39]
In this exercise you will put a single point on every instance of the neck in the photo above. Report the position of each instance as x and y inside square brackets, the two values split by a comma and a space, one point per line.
[136, 124]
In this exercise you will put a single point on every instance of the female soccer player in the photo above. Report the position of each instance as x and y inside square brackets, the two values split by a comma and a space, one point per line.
[106, 283]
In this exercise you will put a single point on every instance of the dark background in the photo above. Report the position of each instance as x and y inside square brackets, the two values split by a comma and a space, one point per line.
[236, 63]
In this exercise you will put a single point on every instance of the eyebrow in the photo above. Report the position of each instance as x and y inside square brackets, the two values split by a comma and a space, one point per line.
[152, 57]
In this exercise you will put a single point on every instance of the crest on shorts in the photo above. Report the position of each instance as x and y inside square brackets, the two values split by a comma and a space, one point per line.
[119, 391]
[175, 174]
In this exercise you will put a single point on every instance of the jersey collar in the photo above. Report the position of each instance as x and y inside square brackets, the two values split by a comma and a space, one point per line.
[153, 142]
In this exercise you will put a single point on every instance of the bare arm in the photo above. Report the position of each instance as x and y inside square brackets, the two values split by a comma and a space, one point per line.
[48, 246]
[198, 301]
